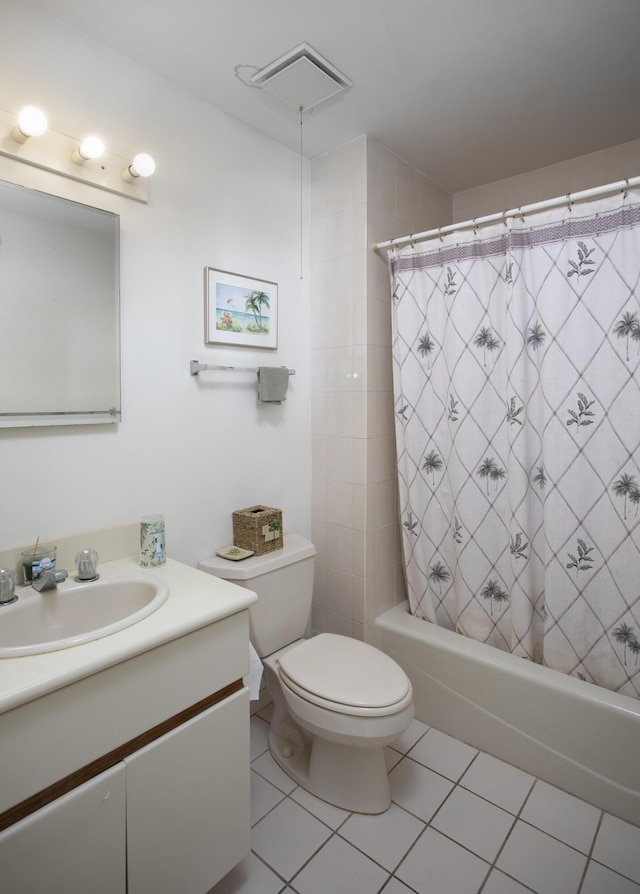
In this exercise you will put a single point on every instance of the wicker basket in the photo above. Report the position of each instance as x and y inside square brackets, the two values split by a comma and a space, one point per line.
[258, 528]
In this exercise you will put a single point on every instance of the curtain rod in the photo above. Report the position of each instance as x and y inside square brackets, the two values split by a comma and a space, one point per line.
[619, 186]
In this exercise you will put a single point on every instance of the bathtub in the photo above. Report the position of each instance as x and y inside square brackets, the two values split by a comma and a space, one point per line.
[575, 735]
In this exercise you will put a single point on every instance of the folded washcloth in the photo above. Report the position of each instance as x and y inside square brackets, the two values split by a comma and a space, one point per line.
[273, 382]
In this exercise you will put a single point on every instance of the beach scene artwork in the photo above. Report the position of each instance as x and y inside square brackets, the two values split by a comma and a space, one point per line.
[241, 310]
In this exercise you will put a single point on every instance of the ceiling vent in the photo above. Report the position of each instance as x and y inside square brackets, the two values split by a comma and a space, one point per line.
[301, 78]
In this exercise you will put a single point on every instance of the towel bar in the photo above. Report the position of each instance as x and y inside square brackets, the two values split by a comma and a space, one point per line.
[196, 367]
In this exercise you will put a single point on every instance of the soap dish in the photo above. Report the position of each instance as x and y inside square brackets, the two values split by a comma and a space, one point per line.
[234, 553]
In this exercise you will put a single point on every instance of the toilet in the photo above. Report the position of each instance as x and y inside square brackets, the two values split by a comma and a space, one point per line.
[337, 702]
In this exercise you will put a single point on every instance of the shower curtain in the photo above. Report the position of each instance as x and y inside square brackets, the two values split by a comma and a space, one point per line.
[516, 360]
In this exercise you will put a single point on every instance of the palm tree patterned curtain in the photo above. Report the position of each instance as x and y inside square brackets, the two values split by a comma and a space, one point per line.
[516, 352]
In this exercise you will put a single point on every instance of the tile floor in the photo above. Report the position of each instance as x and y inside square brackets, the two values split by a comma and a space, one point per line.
[461, 822]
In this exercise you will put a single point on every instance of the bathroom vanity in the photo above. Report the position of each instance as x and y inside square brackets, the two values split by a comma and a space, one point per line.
[124, 762]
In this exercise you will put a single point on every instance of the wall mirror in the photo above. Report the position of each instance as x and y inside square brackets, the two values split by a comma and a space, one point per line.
[59, 311]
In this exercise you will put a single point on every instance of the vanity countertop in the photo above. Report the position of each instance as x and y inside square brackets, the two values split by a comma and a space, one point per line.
[195, 600]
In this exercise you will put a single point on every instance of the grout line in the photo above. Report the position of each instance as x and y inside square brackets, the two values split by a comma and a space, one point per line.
[589, 855]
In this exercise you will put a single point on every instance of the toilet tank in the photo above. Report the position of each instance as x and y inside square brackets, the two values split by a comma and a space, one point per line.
[283, 581]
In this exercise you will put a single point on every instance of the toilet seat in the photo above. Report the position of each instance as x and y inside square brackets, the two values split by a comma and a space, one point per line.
[345, 675]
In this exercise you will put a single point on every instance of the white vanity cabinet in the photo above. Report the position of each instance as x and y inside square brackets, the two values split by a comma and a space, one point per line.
[74, 845]
[131, 775]
[187, 802]
[172, 817]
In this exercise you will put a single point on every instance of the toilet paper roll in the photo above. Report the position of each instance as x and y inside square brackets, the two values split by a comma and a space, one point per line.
[254, 677]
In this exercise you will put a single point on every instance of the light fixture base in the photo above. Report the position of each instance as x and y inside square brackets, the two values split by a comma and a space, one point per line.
[53, 152]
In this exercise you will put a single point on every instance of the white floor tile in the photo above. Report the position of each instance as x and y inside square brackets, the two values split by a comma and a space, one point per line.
[266, 713]
[600, 879]
[541, 862]
[259, 733]
[473, 822]
[326, 813]
[340, 867]
[287, 837]
[395, 886]
[410, 736]
[264, 797]
[618, 846]
[499, 883]
[391, 758]
[561, 815]
[498, 782]
[267, 767]
[444, 754]
[304, 846]
[250, 876]
[385, 838]
[418, 789]
[435, 864]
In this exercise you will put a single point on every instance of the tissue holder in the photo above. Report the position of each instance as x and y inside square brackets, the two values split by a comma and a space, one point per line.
[258, 528]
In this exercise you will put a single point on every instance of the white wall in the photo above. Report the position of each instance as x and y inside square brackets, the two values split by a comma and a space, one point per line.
[223, 196]
[585, 172]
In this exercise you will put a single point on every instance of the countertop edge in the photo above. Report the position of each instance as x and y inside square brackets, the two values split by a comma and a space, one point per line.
[196, 599]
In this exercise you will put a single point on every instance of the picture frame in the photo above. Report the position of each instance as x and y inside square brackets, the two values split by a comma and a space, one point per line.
[240, 310]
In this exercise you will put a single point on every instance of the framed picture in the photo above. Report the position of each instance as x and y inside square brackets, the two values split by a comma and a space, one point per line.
[240, 310]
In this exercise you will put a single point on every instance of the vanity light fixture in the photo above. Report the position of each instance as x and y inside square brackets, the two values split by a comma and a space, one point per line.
[89, 148]
[31, 123]
[85, 160]
[142, 165]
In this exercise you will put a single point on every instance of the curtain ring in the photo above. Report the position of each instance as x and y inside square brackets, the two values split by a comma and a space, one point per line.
[569, 202]
[520, 214]
[504, 218]
[626, 189]
[440, 234]
[475, 227]
[411, 241]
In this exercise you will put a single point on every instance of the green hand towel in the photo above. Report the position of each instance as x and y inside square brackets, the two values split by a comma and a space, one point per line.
[273, 382]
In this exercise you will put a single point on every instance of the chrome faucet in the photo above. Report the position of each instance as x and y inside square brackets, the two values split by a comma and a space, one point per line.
[49, 580]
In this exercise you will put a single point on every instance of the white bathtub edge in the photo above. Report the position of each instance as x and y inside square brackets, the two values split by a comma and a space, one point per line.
[571, 734]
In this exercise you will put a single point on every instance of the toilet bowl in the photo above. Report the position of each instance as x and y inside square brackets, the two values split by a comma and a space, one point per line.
[344, 702]
[337, 701]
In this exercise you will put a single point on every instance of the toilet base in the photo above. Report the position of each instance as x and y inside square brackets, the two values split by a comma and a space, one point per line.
[312, 750]
[354, 779]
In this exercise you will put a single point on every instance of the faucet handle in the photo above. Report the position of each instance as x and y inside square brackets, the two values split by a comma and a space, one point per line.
[7, 586]
[87, 565]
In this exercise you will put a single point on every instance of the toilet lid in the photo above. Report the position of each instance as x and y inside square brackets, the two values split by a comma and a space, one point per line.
[346, 671]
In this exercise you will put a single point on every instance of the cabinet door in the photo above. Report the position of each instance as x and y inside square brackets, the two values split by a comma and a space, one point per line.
[188, 820]
[74, 845]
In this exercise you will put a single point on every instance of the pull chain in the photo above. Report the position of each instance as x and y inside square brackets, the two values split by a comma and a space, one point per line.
[301, 182]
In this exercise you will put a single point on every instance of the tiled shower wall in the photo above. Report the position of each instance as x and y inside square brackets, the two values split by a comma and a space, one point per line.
[361, 193]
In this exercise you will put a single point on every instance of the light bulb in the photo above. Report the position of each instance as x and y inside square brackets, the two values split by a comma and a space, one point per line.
[142, 165]
[31, 123]
[91, 147]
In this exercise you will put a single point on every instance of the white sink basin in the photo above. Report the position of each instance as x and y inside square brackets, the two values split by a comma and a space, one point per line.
[76, 613]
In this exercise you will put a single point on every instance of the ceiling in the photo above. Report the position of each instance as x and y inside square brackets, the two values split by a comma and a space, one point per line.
[466, 91]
